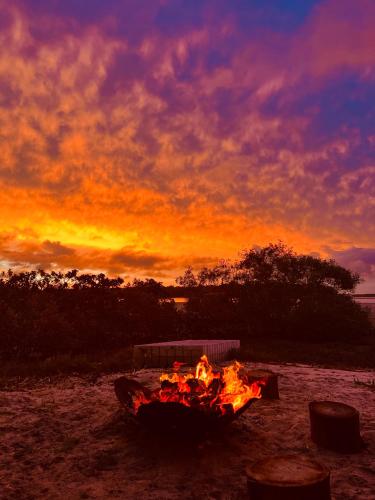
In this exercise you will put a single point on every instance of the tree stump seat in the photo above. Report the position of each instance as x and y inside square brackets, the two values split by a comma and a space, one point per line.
[335, 426]
[288, 477]
[270, 389]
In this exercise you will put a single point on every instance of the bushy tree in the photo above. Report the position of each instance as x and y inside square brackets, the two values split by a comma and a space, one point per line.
[280, 264]
[188, 279]
[273, 291]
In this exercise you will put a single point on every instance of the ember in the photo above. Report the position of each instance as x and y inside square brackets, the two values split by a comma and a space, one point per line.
[217, 395]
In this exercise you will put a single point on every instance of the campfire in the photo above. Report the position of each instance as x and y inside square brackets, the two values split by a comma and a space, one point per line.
[204, 398]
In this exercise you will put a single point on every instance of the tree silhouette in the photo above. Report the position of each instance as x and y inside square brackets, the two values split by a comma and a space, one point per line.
[272, 291]
[268, 292]
[188, 279]
[278, 263]
[275, 263]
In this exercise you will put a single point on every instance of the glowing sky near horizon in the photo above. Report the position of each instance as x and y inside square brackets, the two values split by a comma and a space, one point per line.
[140, 136]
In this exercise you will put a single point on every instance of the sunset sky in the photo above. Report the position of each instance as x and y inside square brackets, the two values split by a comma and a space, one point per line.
[140, 136]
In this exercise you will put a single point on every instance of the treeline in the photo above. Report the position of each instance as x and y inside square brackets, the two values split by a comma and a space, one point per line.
[42, 280]
[42, 323]
[268, 292]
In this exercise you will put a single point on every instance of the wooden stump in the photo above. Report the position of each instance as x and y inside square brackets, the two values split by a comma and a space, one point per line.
[335, 426]
[288, 477]
[270, 389]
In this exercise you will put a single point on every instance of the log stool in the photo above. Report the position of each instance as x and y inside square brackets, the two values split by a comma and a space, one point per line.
[335, 426]
[270, 389]
[288, 477]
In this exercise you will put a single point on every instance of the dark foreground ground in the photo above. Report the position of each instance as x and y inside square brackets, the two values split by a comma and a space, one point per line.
[66, 438]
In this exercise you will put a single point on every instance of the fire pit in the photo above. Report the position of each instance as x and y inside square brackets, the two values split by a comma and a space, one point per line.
[186, 402]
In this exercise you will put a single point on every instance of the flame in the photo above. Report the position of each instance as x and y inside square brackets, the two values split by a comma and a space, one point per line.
[138, 400]
[235, 390]
[204, 371]
[207, 389]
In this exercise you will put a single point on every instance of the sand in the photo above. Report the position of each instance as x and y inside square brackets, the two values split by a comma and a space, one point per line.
[68, 439]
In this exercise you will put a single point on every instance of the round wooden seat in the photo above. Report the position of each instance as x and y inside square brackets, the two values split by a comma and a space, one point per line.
[270, 389]
[288, 477]
[335, 426]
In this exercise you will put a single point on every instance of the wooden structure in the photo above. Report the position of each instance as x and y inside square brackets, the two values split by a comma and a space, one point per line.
[335, 426]
[288, 477]
[163, 354]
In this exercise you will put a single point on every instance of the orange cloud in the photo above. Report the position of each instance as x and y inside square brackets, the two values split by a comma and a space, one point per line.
[138, 154]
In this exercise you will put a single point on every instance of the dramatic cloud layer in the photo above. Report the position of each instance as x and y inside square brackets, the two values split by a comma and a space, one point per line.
[139, 136]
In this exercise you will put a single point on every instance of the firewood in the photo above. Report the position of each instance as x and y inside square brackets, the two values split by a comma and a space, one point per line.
[270, 387]
[288, 477]
[167, 385]
[335, 426]
[215, 387]
[195, 386]
[126, 389]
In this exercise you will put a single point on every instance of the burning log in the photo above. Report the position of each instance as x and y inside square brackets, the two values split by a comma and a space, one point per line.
[201, 401]
[270, 386]
[127, 389]
[288, 477]
[335, 426]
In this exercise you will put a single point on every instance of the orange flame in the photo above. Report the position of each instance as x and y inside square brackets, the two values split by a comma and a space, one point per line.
[214, 390]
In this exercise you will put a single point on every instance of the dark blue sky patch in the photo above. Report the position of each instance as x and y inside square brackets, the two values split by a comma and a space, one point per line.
[337, 107]
[179, 16]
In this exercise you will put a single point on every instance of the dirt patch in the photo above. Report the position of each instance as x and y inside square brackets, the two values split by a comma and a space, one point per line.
[68, 439]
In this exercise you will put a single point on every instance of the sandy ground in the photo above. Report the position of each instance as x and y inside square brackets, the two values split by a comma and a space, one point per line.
[68, 439]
